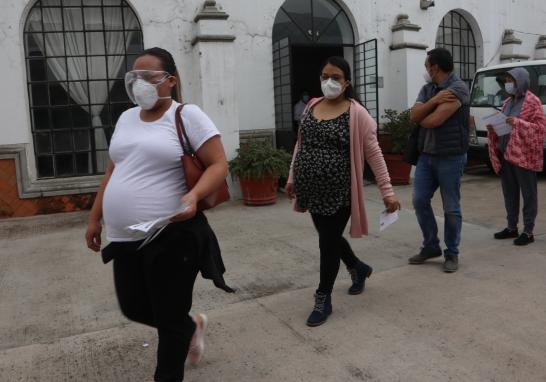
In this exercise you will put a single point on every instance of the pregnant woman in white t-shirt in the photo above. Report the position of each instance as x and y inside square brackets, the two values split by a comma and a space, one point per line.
[144, 181]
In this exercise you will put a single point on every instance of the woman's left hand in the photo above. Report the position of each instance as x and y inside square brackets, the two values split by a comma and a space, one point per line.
[510, 121]
[391, 203]
[191, 202]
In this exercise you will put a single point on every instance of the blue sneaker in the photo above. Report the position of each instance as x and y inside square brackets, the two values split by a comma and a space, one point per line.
[322, 309]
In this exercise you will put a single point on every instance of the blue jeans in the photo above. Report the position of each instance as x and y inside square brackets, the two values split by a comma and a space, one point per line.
[444, 172]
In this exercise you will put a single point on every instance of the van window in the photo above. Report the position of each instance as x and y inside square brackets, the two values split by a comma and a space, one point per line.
[488, 86]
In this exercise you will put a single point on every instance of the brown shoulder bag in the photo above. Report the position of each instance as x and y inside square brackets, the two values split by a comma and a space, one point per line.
[194, 168]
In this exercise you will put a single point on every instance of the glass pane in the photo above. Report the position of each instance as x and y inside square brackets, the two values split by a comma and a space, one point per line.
[134, 42]
[61, 118]
[456, 37]
[339, 32]
[116, 67]
[45, 167]
[78, 92]
[80, 117]
[64, 165]
[447, 20]
[118, 93]
[51, 2]
[34, 20]
[83, 164]
[95, 43]
[75, 44]
[62, 141]
[456, 53]
[43, 143]
[115, 43]
[97, 67]
[92, 2]
[284, 27]
[93, 18]
[130, 20]
[31, 45]
[56, 69]
[100, 139]
[112, 19]
[77, 69]
[323, 12]
[38, 95]
[456, 20]
[57, 94]
[52, 19]
[73, 19]
[67, 3]
[111, 2]
[81, 140]
[41, 119]
[130, 61]
[98, 90]
[37, 70]
[300, 12]
[54, 44]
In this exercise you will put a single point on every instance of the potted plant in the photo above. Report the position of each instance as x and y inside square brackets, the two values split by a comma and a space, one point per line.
[258, 166]
[398, 127]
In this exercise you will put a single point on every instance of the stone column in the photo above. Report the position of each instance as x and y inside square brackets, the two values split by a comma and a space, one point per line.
[215, 57]
[511, 48]
[540, 48]
[408, 56]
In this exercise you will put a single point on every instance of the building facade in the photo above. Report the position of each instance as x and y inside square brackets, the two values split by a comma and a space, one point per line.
[245, 62]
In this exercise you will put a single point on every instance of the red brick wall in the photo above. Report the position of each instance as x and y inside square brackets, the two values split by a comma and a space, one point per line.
[12, 206]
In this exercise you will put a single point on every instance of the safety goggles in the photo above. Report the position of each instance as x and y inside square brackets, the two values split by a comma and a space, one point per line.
[153, 77]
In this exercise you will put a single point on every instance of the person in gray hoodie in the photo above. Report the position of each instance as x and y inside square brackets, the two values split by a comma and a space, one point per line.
[518, 155]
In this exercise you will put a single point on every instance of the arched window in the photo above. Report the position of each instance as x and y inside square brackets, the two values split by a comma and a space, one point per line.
[313, 22]
[455, 34]
[77, 52]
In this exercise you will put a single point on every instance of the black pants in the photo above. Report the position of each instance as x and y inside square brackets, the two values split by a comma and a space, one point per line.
[333, 247]
[154, 287]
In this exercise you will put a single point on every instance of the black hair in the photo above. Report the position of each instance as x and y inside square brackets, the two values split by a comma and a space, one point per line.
[168, 65]
[441, 57]
[341, 63]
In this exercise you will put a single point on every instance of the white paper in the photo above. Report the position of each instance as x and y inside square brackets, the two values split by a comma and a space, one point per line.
[498, 121]
[157, 223]
[386, 219]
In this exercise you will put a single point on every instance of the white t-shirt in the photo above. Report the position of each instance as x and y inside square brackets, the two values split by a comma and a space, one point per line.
[148, 180]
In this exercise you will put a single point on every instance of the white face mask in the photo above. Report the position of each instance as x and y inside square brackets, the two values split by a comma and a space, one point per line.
[331, 89]
[145, 94]
[510, 88]
[427, 77]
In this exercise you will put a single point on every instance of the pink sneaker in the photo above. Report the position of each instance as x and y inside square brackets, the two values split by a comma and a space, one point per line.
[197, 346]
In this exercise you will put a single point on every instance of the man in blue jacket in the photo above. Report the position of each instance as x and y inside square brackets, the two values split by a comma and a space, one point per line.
[442, 113]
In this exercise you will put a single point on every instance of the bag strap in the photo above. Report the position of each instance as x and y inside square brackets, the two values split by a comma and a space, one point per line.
[181, 131]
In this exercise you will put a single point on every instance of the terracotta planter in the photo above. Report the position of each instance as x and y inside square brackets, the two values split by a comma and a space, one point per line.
[259, 192]
[398, 169]
[384, 140]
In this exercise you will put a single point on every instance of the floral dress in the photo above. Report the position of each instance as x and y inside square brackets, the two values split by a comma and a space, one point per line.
[322, 167]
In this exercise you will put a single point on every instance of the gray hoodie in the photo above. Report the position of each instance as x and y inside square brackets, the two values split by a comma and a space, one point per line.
[513, 107]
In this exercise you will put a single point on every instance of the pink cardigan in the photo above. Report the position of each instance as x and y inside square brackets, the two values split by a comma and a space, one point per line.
[525, 147]
[364, 146]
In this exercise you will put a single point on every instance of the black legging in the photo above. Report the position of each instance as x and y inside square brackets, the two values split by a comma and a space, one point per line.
[333, 246]
[154, 287]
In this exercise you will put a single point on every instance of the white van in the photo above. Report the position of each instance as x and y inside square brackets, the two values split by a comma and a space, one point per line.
[487, 94]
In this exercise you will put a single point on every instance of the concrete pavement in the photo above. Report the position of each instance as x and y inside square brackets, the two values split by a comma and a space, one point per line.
[59, 319]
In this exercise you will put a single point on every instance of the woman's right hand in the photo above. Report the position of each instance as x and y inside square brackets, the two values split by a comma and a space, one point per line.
[92, 235]
[289, 190]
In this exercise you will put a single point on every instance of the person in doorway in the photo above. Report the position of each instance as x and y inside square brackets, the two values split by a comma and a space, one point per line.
[144, 181]
[442, 113]
[518, 156]
[337, 134]
[299, 108]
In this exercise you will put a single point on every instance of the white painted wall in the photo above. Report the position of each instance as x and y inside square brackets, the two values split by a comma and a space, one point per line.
[169, 24]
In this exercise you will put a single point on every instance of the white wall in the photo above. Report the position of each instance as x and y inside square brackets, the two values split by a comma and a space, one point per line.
[169, 24]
